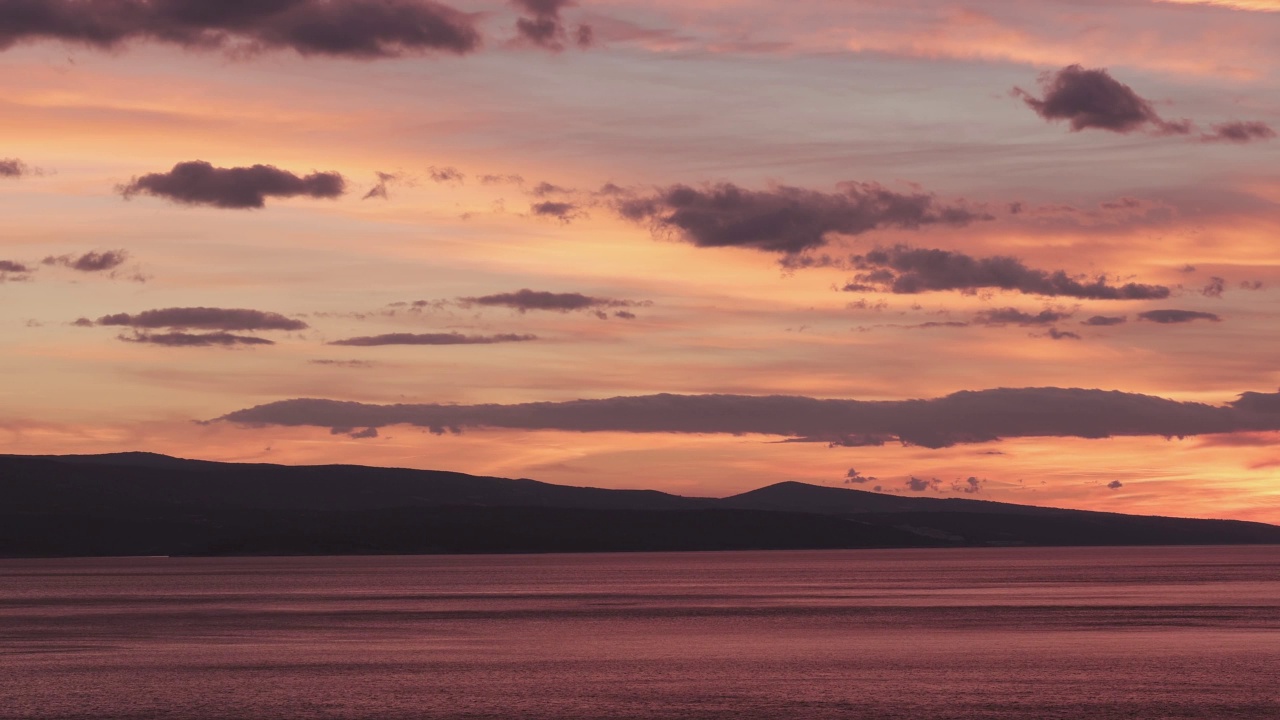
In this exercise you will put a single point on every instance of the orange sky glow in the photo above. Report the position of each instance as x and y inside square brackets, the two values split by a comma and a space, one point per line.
[706, 199]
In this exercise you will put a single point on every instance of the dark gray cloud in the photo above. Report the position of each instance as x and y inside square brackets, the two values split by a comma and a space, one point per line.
[17, 268]
[501, 180]
[180, 339]
[204, 318]
[785, 219]
[366, 434]
[543, 25]
[915, 484]
[544, 188]
[1115, 484]
[1170, 317]
[526, 300]
[342, 363]
[853, 477]
[1214, 288]
[624, 315]
[381, 189]
[1104, 321]
[200, 183]
[90, 262]
[906, 270]
[447, 175]
[970, 485]
[13, 168]
[963, 417]
[1056, 334]
[563, 211]
[1014, 316]
[433, 339]
[1094, 99]
[1238, 131]
[349, 28]
[934, 324]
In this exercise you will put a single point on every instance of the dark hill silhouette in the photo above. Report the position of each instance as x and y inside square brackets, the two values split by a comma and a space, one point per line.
[801, 497]
[146, 504]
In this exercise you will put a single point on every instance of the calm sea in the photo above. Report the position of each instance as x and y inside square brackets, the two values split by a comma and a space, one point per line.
[1087, 634]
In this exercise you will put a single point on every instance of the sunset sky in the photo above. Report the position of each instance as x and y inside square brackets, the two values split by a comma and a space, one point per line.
[698, 246]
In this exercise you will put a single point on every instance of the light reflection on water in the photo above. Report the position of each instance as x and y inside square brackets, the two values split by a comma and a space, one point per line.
[914, 634]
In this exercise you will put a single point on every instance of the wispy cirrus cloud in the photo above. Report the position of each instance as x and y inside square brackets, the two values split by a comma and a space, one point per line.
[381, 188]
[526, 300]
[239, 188]
[90, 262]
[452, 338]
[192, 340]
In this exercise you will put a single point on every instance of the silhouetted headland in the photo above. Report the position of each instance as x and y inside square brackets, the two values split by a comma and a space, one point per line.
[146, 504]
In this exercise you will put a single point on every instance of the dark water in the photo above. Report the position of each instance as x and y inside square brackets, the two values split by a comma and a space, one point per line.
[1002, 633]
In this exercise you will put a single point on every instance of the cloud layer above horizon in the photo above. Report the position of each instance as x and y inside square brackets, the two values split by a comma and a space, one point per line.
[654, 244]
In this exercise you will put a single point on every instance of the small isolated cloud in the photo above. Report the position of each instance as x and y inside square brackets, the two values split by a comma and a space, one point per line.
[90, 262]
[544, 27]
[447, 175]
[382, 188]
[969, 486]
[239, 188]
[1093, 99]
[492, 179]
[1173, 317]
[784, 219]
[906, 270]
[366, 434]
[13, 168]
[1105, 321]
[853, 477]
[1214, 288]
[1115, 484]
[342, 363]
[345, 28]
[204, 318]
[915, 484]
[562, 211]
[625, 315]
[1239, 131]
[1056, 334]
[17, 268]
[545, 189]
[180, 339]
[433, 339]
[1014, 316]
[526, 300]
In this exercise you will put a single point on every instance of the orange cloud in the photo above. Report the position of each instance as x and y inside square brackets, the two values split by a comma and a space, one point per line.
[1259, 5]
